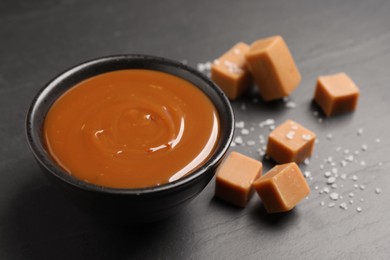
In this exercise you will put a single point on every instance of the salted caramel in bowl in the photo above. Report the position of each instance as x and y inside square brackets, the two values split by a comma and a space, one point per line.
[133, 135]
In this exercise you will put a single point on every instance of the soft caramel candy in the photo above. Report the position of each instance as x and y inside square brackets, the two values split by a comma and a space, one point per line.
[235, 177]
[230, 71]
[282, 188]
[336, 94]
[290, 142]
[273, 68]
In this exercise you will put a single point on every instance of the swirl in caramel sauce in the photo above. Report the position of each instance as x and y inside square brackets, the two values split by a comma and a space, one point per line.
[131, 129]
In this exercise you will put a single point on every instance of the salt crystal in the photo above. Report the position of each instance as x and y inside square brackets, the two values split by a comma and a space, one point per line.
[361, 199]
[322, 203]
[232, 144]
[326, 190]
[380, 163]
[357, 152]
[378, 140]
[346, 151]
[349, 158]
[338, 149]
[306, 137]
[343, 206]
[327, 174]
[238, 140]
[252, 129]
[271, 127]
[237, 51]
[331, 180]
[306, 161]
[364, 147]
[334, 170]
[244, 131]
[290, 104]
[267, 122]
[290, 135]
[356, 186]
[317, 141]
[330, 159]
[240, 124]
[250, 143]
[307, 174]
[359, 209]
[343, 163]
[351, 194]
[363, 163]
[217, 62]
[360, 131]
[378, 190]
[331, 204]
[362, 187]
[351, 202]
[334, 186]
[316, 187]
[354, 178]
[329, 136]
[322, 166]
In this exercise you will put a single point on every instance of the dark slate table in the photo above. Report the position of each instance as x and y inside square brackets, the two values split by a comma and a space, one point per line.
[39, 39]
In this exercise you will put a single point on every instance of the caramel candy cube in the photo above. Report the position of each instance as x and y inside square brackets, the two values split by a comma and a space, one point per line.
[290, 142]
[282, 188]
[273, 68]
[230, 71]
[235, 177]
[336, 94]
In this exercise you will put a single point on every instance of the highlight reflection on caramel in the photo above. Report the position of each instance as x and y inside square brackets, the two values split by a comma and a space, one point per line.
[131, 129]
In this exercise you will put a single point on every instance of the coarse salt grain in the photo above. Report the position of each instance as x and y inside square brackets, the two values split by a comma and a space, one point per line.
[343, 163]
[306, 161]
[250, 143]
[349, 158]
[244, 131]
[326, 190]
[232, 144]
[378, 190]
[306, 137]
[307, 174]
[327, 174]
[360, 131]
[354, 178]
[290, 135]
[267, 122]
[362, 187]
[322, 203]
[331, 180]
[351, 194]
[240, 124]
[329, 136]
[364, 147]
[238, 140]
[343, 176]
[290, 104]
[343, 206]
[331, 204]
[359, 209]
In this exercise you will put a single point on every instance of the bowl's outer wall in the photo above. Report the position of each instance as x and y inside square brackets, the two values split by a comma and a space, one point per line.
[145, 205]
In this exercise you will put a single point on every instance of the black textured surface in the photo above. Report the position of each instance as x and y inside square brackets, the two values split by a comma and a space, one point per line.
[39, 39]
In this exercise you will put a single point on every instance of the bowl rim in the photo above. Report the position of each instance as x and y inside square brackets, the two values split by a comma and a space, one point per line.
[47, 162]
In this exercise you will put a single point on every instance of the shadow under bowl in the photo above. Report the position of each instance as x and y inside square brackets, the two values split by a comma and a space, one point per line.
[129, 205]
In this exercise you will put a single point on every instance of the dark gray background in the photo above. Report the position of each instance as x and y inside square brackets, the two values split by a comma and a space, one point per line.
[39, 39]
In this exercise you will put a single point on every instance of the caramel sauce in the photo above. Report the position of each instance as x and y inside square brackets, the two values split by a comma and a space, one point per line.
[131, 129]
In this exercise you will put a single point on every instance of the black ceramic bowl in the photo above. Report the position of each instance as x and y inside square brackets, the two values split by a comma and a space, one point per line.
[146, 204]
